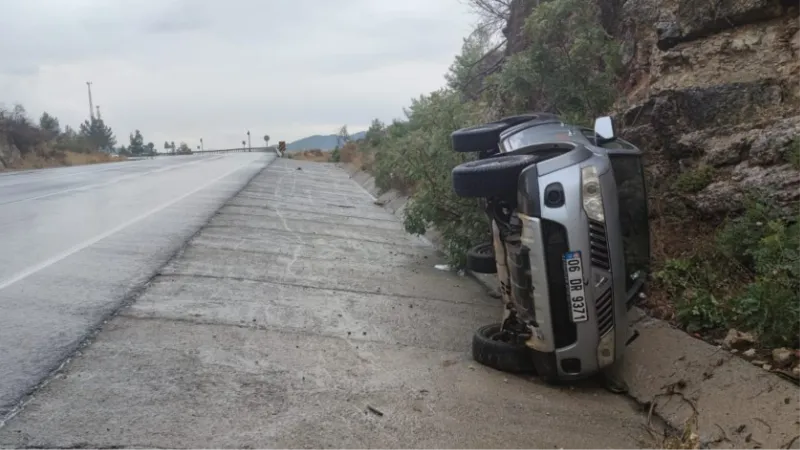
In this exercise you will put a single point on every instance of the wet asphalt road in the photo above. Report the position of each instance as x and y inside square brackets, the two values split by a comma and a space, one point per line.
[76, 241]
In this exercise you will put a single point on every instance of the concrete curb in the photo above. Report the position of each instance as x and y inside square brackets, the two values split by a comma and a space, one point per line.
[690, 384]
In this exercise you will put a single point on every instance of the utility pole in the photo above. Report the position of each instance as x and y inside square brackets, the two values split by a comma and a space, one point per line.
[98, 112]
[201, 144]
[91, 108]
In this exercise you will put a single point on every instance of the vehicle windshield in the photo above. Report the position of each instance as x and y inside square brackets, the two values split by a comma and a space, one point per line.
[538, 134]
[633, 216]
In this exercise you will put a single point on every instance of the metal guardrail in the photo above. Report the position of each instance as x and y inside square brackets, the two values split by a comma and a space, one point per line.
[235, 150]
[271, 148]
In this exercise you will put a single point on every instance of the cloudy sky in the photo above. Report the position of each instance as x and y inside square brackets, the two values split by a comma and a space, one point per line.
[179, 70]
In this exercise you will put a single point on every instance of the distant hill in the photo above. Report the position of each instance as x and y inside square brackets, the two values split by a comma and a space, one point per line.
[321, 142]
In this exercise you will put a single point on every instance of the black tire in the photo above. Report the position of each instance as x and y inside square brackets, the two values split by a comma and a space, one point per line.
[492, 177]
[481, 259]
[481, 138]
[488, 350]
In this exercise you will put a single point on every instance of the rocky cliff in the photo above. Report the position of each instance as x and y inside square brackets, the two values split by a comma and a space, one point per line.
[709, 86]
[712, 86]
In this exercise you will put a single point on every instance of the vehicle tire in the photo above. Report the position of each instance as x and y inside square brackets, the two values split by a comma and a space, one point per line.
[488, 350]
[492, 177]
[481, 259]
[481, 138]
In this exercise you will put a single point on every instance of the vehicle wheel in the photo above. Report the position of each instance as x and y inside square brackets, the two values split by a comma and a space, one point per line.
[486, 137]
[489, 349]
[492, 177]
[481, 259]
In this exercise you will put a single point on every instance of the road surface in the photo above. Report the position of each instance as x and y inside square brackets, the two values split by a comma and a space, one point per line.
[76, 242]
[298, 307]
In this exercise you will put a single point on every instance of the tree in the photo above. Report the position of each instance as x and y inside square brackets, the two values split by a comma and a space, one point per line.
[172, 146]
[136, 146]
[571, 69]
[49, 125]
[151, 148]
[98, 134]
[167, 146]
[375, 133]
[266, 140]
[343, 137]
[493, 14]
[478, 59]
[69, 132]
[184, 149]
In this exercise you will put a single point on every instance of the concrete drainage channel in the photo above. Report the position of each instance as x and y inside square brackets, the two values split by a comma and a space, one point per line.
[705, 393]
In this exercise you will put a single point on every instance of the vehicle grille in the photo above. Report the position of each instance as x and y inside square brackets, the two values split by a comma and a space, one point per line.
[554, 236]
[599, 245]
[605, 312]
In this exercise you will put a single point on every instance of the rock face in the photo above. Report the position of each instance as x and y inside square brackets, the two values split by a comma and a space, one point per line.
[713, 82]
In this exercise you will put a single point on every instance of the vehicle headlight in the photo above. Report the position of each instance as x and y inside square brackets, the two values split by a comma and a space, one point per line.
[592, 198]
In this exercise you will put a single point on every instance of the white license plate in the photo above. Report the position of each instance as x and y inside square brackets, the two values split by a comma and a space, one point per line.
[575, 286]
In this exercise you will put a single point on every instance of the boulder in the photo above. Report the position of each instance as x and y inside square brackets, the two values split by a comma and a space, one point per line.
[783, 357]
[738, 339]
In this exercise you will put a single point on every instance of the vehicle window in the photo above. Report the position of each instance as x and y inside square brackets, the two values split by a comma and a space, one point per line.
[618, 143]
[538, 134]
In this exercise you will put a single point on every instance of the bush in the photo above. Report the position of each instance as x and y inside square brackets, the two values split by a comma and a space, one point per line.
[415, 156]
[749, 278]
[570, 67]
[695, 179]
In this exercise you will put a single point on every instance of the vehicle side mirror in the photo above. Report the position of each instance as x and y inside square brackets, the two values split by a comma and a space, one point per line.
[604, 130]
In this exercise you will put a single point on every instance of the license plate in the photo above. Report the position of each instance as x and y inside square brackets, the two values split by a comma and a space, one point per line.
[575, 286]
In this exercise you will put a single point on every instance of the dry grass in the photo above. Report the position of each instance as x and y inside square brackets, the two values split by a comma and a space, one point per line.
[35, 160]
[351, 154]
[80, 159]
[315, 155]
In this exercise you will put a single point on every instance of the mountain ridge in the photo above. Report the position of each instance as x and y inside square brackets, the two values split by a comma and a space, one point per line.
[319, 141]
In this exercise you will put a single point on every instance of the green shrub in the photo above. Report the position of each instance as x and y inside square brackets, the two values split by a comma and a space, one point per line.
[416, 156]
[571, 65]
[696, 285]
[695, 180]
[749, 279]
[740, 235]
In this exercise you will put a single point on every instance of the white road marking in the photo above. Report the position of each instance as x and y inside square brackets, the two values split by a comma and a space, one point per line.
[49, 262]
[108, 183]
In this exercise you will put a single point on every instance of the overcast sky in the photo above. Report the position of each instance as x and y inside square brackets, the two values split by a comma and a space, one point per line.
[179, 70]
